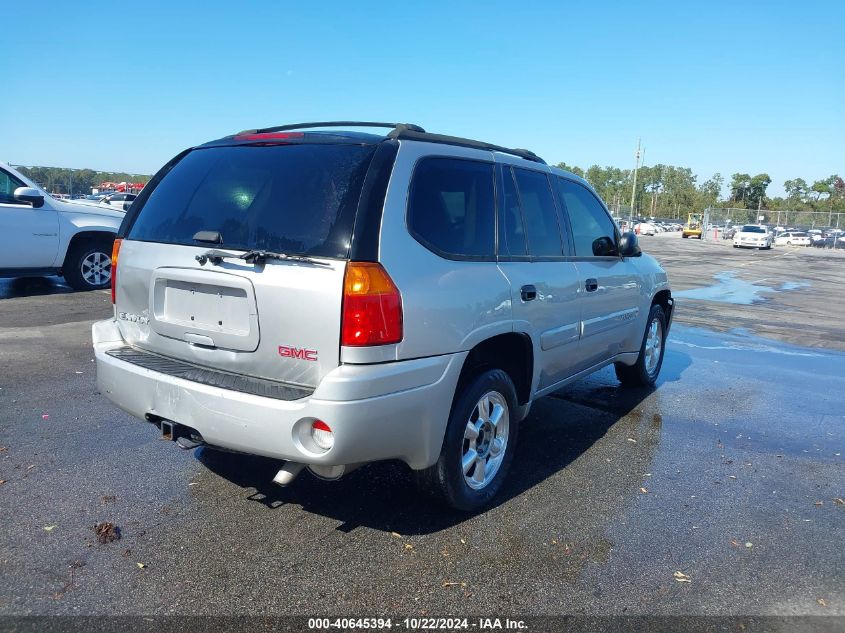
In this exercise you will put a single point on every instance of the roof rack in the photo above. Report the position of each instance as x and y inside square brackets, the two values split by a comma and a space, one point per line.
[414, 135]
[407, 131]
[305, 126]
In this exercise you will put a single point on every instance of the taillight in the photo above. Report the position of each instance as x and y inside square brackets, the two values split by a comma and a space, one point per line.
[372, 307]
[115, 249]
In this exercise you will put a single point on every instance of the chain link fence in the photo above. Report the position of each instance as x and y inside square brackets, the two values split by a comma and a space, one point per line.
[787, 219]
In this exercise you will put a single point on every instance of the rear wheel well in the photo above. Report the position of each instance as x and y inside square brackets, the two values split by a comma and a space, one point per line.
[512, 353]
[88, 237]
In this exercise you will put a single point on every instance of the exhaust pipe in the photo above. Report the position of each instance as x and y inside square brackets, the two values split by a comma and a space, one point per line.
[291, 470]
[288, 473]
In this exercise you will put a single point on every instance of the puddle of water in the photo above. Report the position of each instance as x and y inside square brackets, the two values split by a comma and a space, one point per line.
[746, 347]
[730, 289]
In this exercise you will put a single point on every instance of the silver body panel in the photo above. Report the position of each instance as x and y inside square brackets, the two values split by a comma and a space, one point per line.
[243, 312]
[383, 402]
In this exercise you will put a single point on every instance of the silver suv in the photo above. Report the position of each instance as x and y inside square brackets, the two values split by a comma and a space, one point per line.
[331, 298]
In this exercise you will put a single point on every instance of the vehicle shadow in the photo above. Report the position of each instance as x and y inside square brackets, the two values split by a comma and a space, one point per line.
[560, 429]
[32, 287]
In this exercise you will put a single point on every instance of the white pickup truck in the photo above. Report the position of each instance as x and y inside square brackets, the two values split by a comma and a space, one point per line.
[41, 235]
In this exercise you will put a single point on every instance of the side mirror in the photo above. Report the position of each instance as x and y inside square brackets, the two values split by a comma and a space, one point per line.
[604, 247]
[629, 246]
[30, 195]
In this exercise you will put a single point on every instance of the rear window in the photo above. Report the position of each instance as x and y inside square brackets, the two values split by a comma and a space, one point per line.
[295, 199]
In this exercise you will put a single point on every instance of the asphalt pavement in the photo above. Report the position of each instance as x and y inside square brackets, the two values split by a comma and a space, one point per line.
[720, 492]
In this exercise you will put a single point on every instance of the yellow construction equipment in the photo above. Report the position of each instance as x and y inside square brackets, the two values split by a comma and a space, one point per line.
[693, 227]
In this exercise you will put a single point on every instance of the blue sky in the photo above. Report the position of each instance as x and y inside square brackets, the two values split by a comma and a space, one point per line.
[710, 86]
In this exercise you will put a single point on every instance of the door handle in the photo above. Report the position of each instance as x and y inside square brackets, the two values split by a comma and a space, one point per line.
[591, 285]
[528, 293]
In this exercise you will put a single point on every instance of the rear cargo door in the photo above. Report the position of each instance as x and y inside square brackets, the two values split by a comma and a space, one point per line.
[184, 292]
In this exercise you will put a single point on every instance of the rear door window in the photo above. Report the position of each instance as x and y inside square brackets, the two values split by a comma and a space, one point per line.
[295, 199]
[539, 213]
[451, 210]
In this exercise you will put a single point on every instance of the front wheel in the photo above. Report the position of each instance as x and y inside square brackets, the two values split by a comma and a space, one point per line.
[478, 445]
[88, 265]
[644, 372]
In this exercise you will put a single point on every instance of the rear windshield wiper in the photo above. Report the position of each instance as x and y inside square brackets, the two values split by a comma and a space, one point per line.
[254, 256]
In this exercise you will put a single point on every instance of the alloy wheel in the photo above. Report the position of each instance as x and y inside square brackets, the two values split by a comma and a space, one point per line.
[485, 440]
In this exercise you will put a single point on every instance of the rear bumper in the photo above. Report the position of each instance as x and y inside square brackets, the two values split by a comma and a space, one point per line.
[393, 410]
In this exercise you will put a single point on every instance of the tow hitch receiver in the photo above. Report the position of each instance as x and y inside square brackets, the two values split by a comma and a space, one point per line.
[184, 436]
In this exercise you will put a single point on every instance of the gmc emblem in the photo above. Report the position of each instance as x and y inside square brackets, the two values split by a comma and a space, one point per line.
[295, 352]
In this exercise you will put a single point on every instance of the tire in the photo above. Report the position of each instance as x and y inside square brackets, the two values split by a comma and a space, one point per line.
[447, 480]
[644, 372]
[88, 265]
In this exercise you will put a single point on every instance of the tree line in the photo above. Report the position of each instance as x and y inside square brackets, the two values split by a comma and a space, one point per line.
[667, 191]
[63, 180]
[664, 191]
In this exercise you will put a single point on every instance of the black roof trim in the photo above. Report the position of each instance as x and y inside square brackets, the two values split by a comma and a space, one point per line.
[413, 135]
[305, 126]
[406, 131]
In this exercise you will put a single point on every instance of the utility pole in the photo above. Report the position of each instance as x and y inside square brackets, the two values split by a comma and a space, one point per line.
[634, 188]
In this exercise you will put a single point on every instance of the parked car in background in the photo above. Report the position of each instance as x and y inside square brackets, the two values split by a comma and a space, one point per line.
[833, 241]
[416, 321]
[816, 235]
[792, 238]
[119, 200]
[40, 235]
[753, 236]
[645, 228]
